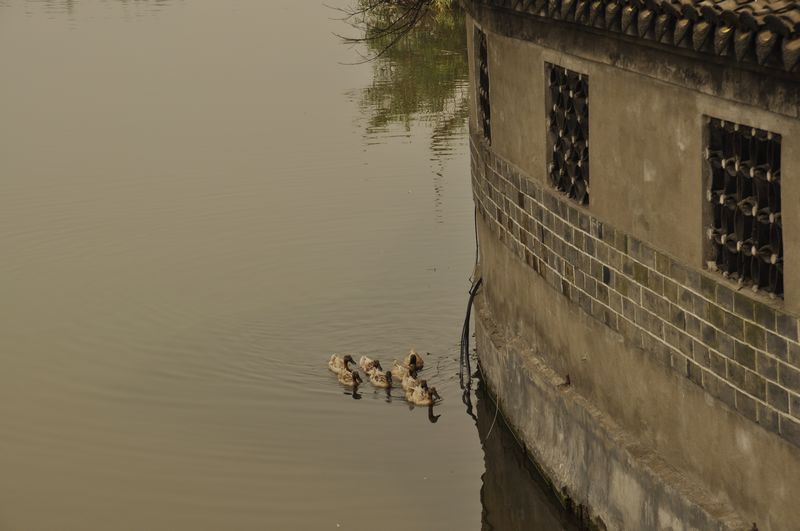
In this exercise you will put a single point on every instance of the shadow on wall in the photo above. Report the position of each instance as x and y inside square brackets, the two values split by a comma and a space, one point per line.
[514, 496]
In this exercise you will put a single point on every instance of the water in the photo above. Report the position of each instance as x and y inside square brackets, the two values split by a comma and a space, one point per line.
[199, 204]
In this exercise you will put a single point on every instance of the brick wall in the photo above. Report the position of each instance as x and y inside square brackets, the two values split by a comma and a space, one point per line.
[739, 347]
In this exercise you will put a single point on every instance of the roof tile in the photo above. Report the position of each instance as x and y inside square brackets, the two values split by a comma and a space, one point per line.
[766, 32]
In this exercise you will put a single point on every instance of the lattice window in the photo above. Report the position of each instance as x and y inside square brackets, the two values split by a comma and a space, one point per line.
[744, 177]
[484, 109]
[568, 131]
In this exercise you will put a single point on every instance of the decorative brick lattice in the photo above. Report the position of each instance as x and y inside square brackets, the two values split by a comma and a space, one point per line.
[484, 108]
[740, 348]
[568, 132]
[744, 189]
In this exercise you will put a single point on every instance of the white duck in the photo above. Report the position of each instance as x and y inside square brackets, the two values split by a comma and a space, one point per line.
[338, 364]
[381, 379]
[350, 378]
[368, 364]
[422, 395]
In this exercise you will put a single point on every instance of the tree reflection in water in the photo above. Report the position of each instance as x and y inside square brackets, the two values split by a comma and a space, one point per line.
[514, 496]
[68, 7]
[421, 78]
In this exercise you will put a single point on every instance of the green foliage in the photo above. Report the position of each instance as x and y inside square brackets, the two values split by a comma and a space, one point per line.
[420, 76]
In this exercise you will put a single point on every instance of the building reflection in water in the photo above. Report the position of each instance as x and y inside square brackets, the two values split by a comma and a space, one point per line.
[514, 496]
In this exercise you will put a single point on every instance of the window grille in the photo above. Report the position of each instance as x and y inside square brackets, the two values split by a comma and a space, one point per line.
[568, 131]
[484, 108]
[744, 177]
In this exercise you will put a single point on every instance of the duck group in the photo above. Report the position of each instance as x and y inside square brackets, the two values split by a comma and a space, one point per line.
[404, 372]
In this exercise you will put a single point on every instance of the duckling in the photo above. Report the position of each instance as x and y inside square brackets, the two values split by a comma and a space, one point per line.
[380, 379]
[410, 380]
[400, 371]
[350, 378]
[422, 395]
[410, 390]
[338, 364]
[412, 358]
[368, 364]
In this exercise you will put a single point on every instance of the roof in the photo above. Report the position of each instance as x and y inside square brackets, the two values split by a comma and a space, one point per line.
[766, 32]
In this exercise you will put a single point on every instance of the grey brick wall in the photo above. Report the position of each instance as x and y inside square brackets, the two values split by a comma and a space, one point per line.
[739, 348]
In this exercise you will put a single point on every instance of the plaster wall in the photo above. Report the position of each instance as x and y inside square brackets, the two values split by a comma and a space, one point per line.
[641, 446]
[679, 383]
[646, 135]
[515, 76]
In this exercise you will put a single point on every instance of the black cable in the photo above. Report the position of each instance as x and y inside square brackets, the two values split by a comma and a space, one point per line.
[475, 224]
[464, 361]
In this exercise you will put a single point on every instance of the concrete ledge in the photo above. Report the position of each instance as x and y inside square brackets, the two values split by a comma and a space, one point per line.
[621, 483]
[515, 494]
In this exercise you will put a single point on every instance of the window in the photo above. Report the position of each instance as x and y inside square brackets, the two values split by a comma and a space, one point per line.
[484, 110]
[568, 131]
[743, 171]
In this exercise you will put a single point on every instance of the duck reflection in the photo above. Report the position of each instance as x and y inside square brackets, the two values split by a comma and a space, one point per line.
[466, 399]
[514, 496]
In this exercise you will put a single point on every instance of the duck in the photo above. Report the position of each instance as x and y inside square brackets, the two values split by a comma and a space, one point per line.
[410, 380]
[338, 364]
[381, 379]
[400, 371]
[412, 358]
[422, 395]
[368, 364]
[350, 378]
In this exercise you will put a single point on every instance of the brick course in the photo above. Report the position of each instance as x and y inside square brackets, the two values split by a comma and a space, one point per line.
[739, 348]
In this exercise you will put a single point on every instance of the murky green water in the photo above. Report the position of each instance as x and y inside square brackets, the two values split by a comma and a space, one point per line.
[199, 203]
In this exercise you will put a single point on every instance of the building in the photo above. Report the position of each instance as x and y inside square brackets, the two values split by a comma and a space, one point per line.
[638, 318]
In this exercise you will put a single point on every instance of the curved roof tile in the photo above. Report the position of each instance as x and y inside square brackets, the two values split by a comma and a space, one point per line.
[766, 32]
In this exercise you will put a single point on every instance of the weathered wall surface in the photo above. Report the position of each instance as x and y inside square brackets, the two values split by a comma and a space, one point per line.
[755, 86]
[514, 494]
[641, 358]
[619, 483]
[515, 77]
[686, 383]
[647, 116]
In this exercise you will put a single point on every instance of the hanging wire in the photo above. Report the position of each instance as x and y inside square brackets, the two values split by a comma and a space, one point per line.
[465, 365]
[496, 411]
[477, 254]
[465, 368]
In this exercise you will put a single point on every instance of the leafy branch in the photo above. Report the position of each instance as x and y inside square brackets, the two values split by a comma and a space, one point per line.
[384, 23]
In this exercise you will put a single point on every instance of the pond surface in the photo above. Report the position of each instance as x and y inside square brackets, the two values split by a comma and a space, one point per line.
[199, 203]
